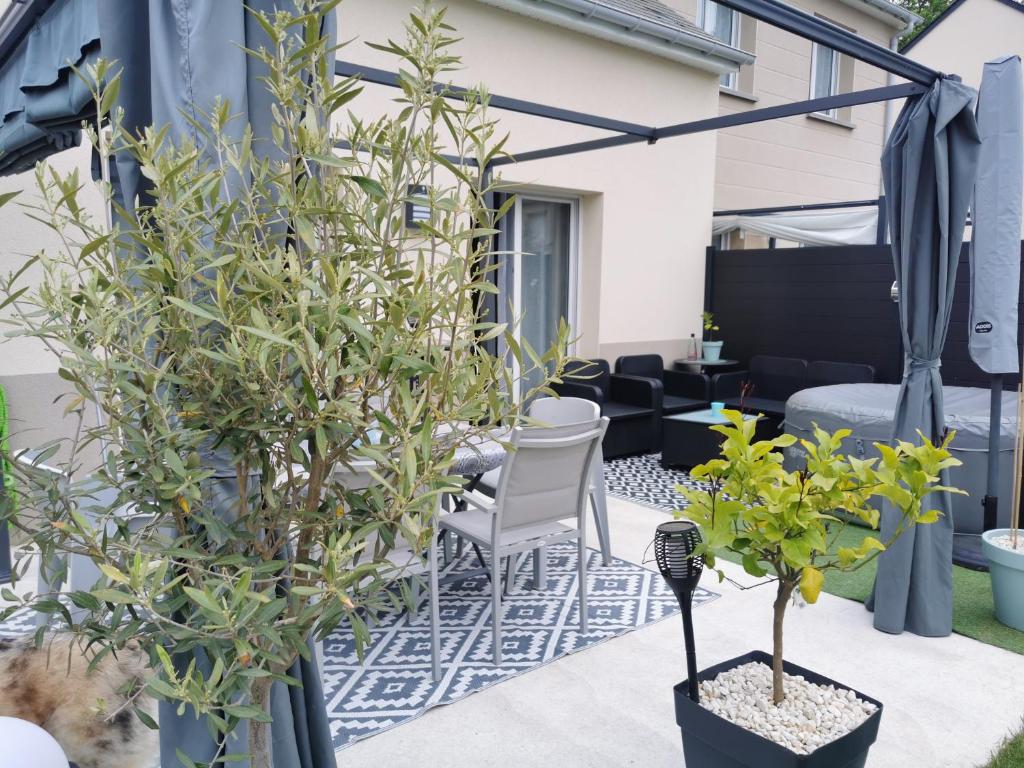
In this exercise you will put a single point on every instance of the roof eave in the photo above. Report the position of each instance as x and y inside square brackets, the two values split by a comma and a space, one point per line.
[899, 18]
[605, 23]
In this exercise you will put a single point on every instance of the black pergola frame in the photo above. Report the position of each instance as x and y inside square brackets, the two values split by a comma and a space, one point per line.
[771, 12]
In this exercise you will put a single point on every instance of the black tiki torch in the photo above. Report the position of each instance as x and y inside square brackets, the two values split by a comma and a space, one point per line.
[674, 543]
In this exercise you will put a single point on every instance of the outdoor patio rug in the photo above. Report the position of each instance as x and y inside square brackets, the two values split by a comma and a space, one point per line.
[642, 480]
[394, 684]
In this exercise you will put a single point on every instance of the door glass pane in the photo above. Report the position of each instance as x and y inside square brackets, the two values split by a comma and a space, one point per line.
[720, 23]
[544, 275]
[824, 65]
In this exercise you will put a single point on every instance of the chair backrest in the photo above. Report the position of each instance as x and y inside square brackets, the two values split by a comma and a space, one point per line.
[560, 411]
[777, 378]
[650, 366]
[821, 373]
[546, 476]
[594, 372]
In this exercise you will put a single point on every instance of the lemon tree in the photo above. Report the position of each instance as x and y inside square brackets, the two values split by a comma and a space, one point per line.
[785, 523]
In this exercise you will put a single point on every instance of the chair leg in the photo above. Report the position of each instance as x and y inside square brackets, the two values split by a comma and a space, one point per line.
[512, 565]
[496, 606]
[540, 568]
[446, 544]
[599, 498]
[435, 617]
[48, 581]
[584, 620]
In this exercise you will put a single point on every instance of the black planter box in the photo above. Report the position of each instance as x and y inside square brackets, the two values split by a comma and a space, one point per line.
[710, 741]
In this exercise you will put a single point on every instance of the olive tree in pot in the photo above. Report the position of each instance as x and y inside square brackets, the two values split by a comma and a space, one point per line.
[782, 523]
[245, 342]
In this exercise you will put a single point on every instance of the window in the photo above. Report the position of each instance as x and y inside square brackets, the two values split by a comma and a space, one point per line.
[824, 75]
[722, 24]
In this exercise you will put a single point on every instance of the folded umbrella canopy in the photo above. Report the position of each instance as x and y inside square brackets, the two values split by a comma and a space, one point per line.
[995, 260]
[177, 58]
[996, 218]
[43, 94]
[928, 167]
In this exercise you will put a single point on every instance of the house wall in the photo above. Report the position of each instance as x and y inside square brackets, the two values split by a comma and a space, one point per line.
[645, 210]
[974, 32]
[801, 159]
[28, 370]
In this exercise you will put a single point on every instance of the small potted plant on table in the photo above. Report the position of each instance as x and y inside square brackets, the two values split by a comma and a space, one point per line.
[758, 710]
[711, 350]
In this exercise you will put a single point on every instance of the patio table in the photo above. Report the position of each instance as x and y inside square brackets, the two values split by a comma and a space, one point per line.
[687, 440]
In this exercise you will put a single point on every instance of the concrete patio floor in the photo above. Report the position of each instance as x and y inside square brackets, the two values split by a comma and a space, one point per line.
[948, 701]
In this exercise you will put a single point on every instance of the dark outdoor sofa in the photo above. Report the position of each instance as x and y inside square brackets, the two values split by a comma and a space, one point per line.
[772, 380]
[682, 390]
[824, 373]
[631, 403]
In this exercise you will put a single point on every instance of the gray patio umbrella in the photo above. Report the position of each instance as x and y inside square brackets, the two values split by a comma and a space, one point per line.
[177, 58]
[928, 167]
[42, 100]
[995, 254]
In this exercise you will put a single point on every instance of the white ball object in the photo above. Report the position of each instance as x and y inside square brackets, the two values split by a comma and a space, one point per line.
[26, 745]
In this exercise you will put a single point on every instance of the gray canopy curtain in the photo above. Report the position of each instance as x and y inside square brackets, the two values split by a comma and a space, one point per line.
[177, 58]
[42, 100]
[928, 167]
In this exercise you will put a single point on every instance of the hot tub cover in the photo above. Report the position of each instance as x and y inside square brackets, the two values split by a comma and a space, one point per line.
[869, 409]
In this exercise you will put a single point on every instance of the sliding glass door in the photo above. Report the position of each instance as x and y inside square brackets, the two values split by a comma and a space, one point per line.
[543, 279]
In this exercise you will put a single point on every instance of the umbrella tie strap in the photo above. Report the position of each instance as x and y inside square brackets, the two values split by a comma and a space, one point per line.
[921, 364]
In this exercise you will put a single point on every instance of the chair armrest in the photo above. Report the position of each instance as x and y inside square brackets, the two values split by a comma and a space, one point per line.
[478, 500]
[688, 384]
[636, 390]
[725, 385]
[579, 389]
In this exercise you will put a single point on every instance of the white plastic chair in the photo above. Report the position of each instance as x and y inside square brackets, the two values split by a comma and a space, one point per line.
[544, 480]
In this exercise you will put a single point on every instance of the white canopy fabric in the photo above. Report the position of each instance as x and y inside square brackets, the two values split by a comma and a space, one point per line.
[843, 226]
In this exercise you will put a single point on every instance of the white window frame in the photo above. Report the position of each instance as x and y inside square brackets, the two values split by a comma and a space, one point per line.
[517, 264]
[729, 80]
[833, 86]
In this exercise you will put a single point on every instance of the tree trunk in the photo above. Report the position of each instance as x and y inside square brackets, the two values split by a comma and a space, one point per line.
[260, 754]
[785, 591]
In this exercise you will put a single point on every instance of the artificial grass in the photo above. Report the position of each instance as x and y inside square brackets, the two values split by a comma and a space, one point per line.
[1009, 754]
[973, 611]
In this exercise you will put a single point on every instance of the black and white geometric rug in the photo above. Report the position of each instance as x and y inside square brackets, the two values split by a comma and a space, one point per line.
[641, 479]
[393, 685]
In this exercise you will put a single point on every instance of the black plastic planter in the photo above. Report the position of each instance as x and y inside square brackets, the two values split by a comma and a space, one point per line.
[710, 741]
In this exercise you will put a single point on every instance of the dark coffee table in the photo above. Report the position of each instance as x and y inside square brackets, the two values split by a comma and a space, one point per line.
[687, 441]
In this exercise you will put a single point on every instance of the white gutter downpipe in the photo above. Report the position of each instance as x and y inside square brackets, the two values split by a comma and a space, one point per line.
[624, 29]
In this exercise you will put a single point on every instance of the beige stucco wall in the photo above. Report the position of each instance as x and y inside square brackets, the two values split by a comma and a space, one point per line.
[645, 210]
[645, 213]
[973, 33]
[800, 159]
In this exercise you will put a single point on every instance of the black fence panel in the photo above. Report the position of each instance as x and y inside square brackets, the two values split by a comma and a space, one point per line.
[826, 303]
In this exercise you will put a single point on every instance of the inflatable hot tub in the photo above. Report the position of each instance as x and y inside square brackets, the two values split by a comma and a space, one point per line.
[867, 410]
